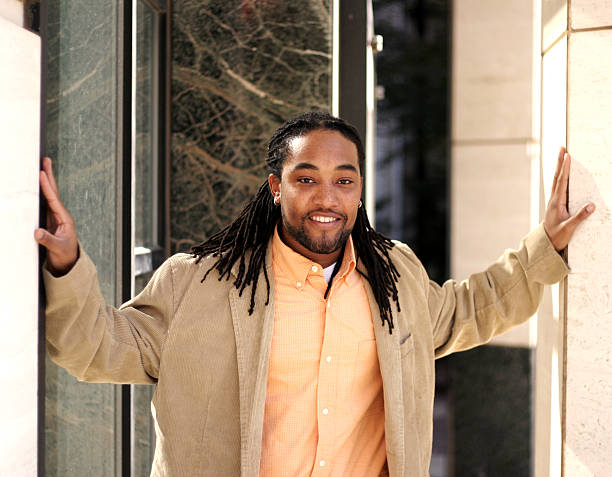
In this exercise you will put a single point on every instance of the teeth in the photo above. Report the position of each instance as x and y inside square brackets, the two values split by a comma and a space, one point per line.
[318, 218]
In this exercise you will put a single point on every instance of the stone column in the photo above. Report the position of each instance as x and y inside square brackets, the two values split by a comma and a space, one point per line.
[494, 203]
[493, 133]
[19, 165]
[574, 372]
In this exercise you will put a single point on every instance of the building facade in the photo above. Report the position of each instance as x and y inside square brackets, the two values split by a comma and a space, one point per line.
[156, 115]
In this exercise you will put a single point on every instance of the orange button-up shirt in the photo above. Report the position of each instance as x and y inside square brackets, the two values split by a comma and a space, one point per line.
[324, 413]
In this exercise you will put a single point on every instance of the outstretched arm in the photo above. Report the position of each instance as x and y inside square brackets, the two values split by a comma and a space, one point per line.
[471, 312]
[94, 341]
[558, 223]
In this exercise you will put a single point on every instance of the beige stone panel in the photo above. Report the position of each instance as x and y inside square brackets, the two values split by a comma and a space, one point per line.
[492, 69]
[490, 197]
[554, 21]
[589, 297]
[548, 386]
[519, 336]
[12, 11]
[590, 13]
[549, 353]
[554, 94]
[19, 164]
[489, 211]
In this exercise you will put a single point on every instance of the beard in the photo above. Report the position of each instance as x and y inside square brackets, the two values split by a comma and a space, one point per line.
[327, 243]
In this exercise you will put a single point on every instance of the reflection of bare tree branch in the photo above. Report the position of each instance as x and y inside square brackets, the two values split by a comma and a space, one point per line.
[240, 176]
[254, 89]
[239, 75]
[308, 52]
[251, 107]
[234, 33]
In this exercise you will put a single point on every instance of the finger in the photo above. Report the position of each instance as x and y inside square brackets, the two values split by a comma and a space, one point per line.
[56, 207]
[558, 168]
[560, 191]
[576, 219]
[564, 179]
[48, 168]
[51, 243]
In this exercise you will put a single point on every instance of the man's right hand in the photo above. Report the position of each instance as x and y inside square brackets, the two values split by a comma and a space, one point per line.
[60, 238]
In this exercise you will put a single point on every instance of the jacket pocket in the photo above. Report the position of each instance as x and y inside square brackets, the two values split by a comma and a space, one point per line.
[406, 344]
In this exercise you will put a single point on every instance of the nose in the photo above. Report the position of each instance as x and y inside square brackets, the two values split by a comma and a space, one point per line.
[326, 196]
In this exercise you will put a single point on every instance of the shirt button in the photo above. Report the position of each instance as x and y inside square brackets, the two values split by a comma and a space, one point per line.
[328, 359]
[315, 268]
[322, 463]
[326, 411]
[298, 284]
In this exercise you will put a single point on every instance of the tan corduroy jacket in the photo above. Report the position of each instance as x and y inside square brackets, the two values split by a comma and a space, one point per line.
[209, 358]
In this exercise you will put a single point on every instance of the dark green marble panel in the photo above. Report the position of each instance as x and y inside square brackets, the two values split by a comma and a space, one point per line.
[239, 69]
[81, 134]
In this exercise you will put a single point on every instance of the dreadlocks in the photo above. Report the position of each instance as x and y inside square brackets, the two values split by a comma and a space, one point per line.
[254, 226]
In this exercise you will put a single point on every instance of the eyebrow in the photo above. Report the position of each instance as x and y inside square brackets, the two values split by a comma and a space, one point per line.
[342, 167]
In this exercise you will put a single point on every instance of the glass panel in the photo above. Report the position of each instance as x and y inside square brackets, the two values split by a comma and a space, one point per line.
[81, 138]
[239, 69]
[146, 134]
[143, 430]
[145, 228]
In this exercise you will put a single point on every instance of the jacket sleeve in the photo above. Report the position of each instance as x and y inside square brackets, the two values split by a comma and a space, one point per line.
[99, 343]
[470, 313]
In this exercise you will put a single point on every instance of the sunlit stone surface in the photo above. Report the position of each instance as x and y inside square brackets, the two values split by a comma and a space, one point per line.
[19, 159]
[589, 295]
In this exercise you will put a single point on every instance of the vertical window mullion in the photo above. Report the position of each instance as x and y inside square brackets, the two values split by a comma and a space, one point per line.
[148, 219]
[126, 243]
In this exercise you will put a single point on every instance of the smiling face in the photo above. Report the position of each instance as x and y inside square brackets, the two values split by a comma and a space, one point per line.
[320, 189]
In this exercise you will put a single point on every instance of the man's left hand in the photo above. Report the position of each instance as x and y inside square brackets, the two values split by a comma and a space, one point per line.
[558, 222]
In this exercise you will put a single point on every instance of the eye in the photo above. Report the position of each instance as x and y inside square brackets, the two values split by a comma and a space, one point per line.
[305, 180]
[345, 181]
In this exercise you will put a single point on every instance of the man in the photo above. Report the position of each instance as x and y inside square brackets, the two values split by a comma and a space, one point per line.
[297, 340]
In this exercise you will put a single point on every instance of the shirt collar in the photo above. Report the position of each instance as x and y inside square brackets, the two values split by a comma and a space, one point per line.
[296, 267]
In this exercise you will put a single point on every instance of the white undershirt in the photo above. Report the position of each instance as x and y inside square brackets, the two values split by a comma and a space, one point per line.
[327, 272]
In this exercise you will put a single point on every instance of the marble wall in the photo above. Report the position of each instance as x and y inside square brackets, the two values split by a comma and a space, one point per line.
[239, 69]
[81, 138]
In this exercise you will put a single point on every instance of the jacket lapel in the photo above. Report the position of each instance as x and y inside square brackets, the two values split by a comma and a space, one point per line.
[253, 339]
[389, 359]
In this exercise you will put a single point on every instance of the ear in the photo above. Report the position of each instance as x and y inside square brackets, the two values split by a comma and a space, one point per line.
[274, 184]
